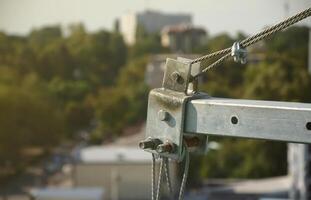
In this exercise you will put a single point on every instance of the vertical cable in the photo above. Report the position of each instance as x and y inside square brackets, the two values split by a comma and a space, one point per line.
[185, 174]
[159, 179]
[153, 177]
[167, 175]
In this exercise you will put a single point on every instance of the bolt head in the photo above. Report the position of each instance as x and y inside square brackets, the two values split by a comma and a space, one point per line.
[163, 115]
[177, 77]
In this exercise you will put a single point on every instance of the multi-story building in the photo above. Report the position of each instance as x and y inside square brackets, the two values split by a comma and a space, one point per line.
[182, 38]
[150, 21]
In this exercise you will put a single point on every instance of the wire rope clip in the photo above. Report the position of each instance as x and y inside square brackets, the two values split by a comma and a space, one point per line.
[239, 54]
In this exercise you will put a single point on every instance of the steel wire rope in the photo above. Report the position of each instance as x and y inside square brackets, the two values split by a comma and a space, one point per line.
[185, 173]
[153, 177]
[160, 179]
[253, 39]
[167, 176]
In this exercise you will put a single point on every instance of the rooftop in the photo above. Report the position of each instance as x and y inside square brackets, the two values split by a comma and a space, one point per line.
[68, 193]
[180, 28]
[113, 154]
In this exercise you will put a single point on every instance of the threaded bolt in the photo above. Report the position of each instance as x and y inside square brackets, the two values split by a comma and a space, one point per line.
[146, 144]
[149, 143]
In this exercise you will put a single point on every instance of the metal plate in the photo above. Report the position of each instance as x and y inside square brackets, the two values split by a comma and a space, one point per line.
[172, 129]
[170, 99]
[183, 69]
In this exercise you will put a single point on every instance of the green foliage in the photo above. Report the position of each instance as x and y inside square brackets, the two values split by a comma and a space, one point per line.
[146, 43]
[48, 86]
[123, 104]
[78, 116]
[98, 56]
[69, 90]
[28, 117]
[43, 36]
[245, 159]
[275, 82]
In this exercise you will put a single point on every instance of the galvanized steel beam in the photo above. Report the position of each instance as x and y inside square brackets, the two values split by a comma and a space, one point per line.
[269, 120]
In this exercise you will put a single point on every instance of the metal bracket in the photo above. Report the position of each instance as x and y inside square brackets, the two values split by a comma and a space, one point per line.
[166, 109]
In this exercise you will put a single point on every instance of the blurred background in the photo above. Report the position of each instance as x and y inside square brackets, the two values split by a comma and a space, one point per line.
[74, 81]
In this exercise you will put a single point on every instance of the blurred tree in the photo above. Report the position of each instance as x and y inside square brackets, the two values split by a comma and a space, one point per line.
[69, 90]
[241, 158]
[146, 43]
[38, 38]
[124, 104]
[15, 52]
[78, 117]
[54, 60]
[28, 118]
[132, 80]
[99, 56]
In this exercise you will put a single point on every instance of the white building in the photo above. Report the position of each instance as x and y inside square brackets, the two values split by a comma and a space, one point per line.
[67, 194]
[123, 172]
[151, 21]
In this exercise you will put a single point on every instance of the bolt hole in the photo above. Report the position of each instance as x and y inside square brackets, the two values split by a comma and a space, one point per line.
[234, 120]
[308, 126]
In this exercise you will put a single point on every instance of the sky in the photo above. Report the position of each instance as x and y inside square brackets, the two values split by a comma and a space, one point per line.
[248, 16]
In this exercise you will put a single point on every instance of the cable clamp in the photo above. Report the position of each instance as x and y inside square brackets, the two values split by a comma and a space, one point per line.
[239, 54]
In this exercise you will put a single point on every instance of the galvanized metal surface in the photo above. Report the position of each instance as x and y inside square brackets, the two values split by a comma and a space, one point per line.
[195, 69]
[170, 129]
[176, 75]
[166, 107]
[269, 120]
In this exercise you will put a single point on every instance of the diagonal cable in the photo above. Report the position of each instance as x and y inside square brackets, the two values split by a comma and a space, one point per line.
[253, 39]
